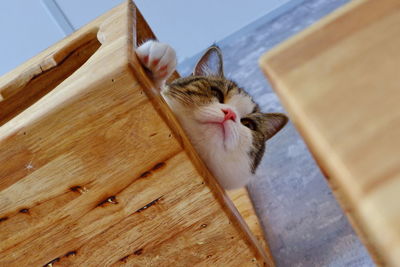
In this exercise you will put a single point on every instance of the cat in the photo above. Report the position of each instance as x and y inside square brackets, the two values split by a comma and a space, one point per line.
[222, 121]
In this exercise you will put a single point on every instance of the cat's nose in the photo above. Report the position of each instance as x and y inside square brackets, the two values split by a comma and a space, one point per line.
[229, 114]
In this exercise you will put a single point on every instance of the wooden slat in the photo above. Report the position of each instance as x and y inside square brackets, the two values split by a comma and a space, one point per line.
[241, 199]
[339, 82]
[95, 170]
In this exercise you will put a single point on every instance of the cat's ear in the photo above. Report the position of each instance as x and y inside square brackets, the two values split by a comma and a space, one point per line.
[274, 123]
[210, 64]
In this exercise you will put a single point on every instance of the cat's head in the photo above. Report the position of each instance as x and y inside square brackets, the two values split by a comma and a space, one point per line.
[223, 122]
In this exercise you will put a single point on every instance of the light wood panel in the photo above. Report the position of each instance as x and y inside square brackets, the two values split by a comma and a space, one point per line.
[95, 170]
[339, 81]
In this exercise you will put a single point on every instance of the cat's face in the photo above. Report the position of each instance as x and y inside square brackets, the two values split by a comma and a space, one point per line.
[222, 121]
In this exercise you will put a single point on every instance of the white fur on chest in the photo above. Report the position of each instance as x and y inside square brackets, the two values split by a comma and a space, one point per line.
[230, 167]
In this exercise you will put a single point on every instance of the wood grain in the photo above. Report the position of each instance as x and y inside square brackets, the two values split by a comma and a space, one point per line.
[339, 82]
[95, 170]
[241, 199]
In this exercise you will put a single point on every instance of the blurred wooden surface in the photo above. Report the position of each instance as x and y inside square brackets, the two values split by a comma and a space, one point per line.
[339, 80]
[95, 170]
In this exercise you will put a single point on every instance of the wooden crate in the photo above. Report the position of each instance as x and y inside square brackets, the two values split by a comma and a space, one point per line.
[339, 80]
[95, 170]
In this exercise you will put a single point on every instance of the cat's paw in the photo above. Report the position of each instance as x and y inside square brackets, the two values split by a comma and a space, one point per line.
[158, 58]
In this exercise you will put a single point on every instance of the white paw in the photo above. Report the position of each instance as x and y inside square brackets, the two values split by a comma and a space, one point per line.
[159, 58]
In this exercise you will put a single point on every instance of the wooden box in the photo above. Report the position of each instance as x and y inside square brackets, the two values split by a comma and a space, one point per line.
[95, 170]
[339, 81]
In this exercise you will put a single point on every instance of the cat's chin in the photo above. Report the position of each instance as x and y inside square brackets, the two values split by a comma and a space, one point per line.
[224, 148]
[225, 134]
[231, 172]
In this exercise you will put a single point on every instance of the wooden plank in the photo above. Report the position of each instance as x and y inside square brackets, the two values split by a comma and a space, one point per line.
[339, 82]
[241, 199]
[96, 171]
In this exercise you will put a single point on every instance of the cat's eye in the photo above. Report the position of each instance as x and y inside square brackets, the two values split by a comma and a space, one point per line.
[218, 93]
[249, 123]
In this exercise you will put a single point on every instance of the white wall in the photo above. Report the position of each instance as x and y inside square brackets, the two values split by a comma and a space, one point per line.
[191, 26]
[25, 30]
[29, 26]
[81, 12]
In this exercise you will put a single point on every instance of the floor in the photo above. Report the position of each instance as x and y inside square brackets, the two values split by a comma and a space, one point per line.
[303, 222]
